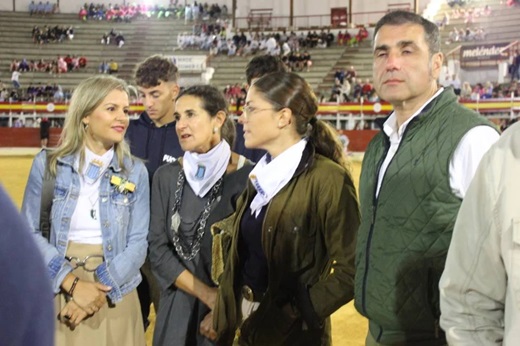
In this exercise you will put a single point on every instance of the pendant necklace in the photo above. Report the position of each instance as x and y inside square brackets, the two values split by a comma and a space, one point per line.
[93, 209]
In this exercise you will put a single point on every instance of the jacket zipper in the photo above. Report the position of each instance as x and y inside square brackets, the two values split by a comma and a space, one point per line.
[370, 232]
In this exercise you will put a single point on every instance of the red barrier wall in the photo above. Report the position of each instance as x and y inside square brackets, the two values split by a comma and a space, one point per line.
[30, 137]
[26, 137]
[359, 139]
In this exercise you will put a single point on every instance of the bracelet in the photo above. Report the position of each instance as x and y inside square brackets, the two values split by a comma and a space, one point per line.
[74, 283]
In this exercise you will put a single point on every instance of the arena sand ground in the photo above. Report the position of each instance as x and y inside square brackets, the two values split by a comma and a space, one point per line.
[348, 327]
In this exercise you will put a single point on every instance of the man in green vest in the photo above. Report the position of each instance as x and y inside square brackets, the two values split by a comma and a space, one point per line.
[415, 173]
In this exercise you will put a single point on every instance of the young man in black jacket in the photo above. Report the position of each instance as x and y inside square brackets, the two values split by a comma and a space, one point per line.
[153, 138]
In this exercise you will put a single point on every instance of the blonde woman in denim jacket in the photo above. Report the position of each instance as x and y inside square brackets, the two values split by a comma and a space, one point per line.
[99, 219]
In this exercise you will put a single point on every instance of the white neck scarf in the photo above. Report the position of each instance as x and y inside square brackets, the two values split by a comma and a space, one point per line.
[268, 178]
[94, 165]
[204, 170]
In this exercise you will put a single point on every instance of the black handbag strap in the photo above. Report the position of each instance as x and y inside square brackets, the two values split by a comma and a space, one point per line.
[47, 196]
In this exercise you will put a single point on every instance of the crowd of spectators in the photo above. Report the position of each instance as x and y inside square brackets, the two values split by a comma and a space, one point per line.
[205, 12]
[481, 91]
[236, 94]
[346, 39]
[291, 47]
[43, 9]
[127, 12]
[467, 34]
[45, 93]
[48, 34]
[349, 88]
[296, 61]
[49, 92]
[61, 64]
[468, 14]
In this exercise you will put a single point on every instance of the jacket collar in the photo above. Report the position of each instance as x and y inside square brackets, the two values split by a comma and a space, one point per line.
[307, 158]
[145, 119]
[68, 160]
[445, 97]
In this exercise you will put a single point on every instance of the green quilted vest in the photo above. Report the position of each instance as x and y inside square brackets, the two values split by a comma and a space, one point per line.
[404, 234]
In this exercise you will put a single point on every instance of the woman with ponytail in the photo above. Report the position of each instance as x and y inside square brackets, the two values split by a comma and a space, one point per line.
[291, 263]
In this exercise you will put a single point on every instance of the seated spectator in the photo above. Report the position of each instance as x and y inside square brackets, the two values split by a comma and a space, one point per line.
[321, 44]
[40, 8]
[113, 67]
[487, 92]
[231, 48]
[276, 50]
[356, 90]
[103, 67]
[345, 91]
[82, 14]
[58, 94]
[62, 66]
[454, 36]
[335, 92]
[32, 8]
[362, 34]
[70, 32]
[23, 66]
[351, 74]
[286, 49]
[82, 61]
[48, 8]
[455, 84]
[105, 39]
[329, 38]
[341, 38]
[466, 91]
[14, 65]
[307, 61]
[120, 40]
[366, 89]
[74, 63]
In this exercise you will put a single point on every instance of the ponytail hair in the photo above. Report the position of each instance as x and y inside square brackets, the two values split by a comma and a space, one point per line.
[289, 90]
[326, 141]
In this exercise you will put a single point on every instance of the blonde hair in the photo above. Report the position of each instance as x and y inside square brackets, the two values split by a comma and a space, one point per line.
[87, 96]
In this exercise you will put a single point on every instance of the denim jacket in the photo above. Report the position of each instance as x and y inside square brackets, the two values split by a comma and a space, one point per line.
[124, 221]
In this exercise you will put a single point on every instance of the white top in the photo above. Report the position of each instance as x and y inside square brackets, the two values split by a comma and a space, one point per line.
[464, 161]
[15, 76]
[85, 224]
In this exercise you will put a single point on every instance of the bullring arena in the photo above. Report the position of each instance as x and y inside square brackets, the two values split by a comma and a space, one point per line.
[166, 30]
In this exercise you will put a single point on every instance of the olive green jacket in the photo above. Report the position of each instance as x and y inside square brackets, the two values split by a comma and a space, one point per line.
[309, 235]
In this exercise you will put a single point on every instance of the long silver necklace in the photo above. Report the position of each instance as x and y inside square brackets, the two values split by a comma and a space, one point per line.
[186, 250]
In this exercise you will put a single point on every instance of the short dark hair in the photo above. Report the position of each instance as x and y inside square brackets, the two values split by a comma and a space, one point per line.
[213, 101]
[261, 65]
[431, 31]
[154, 70]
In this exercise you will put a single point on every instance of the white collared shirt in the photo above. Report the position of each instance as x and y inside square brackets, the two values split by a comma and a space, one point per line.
[464, 161]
